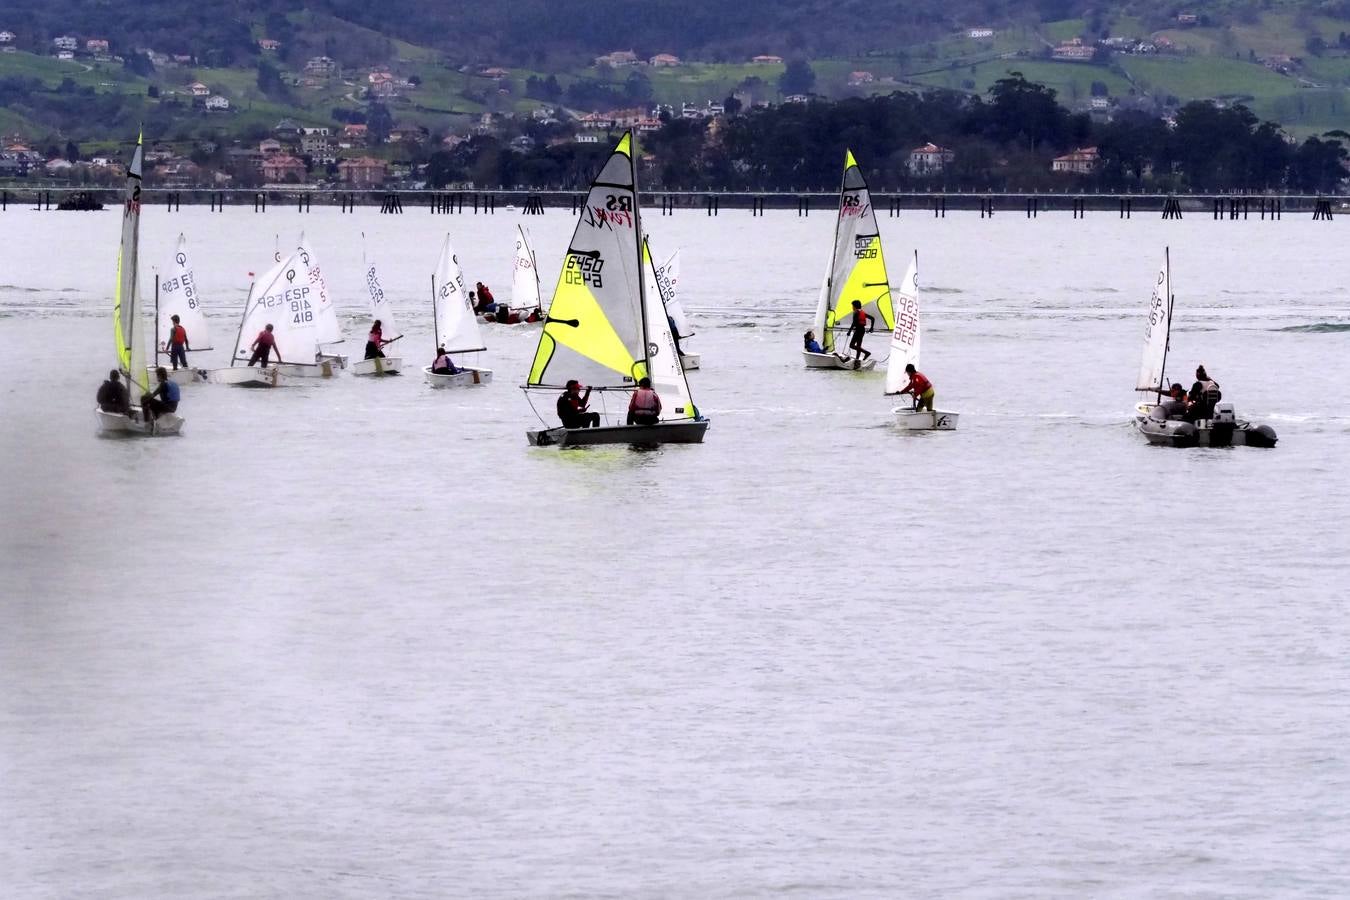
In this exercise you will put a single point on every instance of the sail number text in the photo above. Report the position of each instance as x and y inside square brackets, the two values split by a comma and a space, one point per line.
[581, 269]
[295, 300]
[184, 283]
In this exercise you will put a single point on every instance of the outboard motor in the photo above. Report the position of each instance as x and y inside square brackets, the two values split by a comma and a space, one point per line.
[1222, 426]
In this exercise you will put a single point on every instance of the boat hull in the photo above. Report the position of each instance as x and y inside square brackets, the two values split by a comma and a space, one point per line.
[181, 377]
[248, 376]
[924, 420]
[830, 361]
[467, 377]
[111, 423]
[1178, 433]
[380, 365]
[689, 431]
[326, 367]
[691, 361]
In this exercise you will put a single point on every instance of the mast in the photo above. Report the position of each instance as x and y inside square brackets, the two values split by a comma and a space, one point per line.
[637, 236]
[435, 321]
[156, 319]
[244, 318]
[1171, 300]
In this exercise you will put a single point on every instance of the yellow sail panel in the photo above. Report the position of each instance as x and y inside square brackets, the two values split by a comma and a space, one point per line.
[592, 336]
[120, 339]
[867, 283]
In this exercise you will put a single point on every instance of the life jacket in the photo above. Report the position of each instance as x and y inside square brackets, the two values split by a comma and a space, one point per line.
[1209, 388]
[860, 318]
[442, 362]
[375, 337]
[178, 335]
[645, 401]
[921, 383]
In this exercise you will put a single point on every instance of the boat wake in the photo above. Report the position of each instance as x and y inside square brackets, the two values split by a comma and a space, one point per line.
[1317, 328]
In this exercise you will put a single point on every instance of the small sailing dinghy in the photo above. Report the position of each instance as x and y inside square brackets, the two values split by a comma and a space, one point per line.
[525, 300]
[176, 295]
[668, 277]
[1163, 422]
[127, 322]
[905, 340]
[607, 325]
[456, 326]
[857, 272]
[383, 310]
[284, 299]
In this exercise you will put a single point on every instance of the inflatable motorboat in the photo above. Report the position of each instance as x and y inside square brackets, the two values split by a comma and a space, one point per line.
[1165, 427]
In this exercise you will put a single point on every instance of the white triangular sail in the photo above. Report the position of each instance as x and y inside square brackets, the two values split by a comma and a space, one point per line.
[857, 264]
[906, 334]
[663, 360]
[456, 323]
[380, 306]
[524, 274]
[178, 296]
[330, 332]
[594, 330]
[668, 277]
[1157, 329]
[284, 298]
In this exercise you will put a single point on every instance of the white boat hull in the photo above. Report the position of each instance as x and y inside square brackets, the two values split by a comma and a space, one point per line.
[326, 367]
[334, 359]
[386, 365]
[831, 361]
[467, 377]
[691, 361]
[181, 377]
[248, 376]
[111, 423]
[923, 420]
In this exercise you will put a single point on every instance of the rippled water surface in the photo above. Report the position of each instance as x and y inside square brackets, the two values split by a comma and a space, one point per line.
[357, 639]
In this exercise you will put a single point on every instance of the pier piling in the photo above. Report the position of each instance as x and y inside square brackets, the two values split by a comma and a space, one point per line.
[1322, 210]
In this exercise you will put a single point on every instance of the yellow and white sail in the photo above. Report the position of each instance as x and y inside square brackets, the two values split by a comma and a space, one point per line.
[594, 329]
[858, 266]
[127, 321]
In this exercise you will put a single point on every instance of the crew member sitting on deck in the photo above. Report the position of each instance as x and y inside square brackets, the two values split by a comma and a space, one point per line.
[442, 365]
[112, 394]
[572, 407]
[810, 344]
[163, 399]
[644, 408]
[920, 387]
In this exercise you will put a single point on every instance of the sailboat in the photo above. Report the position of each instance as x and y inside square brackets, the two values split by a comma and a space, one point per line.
[857, 272]
[607, 325]
[330, 332]
[668, 277]
[127, 321]
[383, 310]
[454, 322]
[284, 299]
[1161, 421]
[905, 340]
[525, 301]
[176, 295]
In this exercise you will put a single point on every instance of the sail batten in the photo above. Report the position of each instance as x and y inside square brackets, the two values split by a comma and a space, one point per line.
[594, 330]
[1157, 330]
[858, 265]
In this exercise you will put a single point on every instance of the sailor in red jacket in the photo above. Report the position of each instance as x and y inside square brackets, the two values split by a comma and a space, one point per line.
[860, 323]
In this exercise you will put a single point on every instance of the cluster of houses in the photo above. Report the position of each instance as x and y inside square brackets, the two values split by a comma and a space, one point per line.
[618, 59]
[18, 160]
[930, 160]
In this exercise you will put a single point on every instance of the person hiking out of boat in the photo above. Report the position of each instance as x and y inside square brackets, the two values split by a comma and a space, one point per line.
[573, 409]
[375, 340]
[920, 387]
[112, 394]
[644, 407]
[177, 344]
[263, 345]
[1204, 394]
[443, 365]
[163, 399]
[810, 344]
[860, 324]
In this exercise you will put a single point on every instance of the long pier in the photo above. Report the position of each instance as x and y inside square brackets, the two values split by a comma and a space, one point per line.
[1218, 206]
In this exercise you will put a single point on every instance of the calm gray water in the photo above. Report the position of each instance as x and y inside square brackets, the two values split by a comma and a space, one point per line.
[357, 639]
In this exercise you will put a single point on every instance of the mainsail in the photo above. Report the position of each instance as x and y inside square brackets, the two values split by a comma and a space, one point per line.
[668, 277]
[663, 360]
[524, 274]
[178, 296]
[330, 332]
[1157, 329]
[594, 330]
[905, 336]
[283, 298]
[857, 268]
[455, 321]
[380, 307]
[127, 301]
